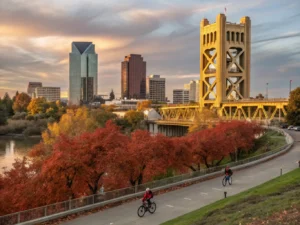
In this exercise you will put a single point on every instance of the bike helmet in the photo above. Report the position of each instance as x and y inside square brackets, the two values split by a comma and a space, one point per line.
[147, 189]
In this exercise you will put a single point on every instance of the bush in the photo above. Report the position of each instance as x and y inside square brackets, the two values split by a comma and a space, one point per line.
[51, 120]
[32, 130]
[29, 117]
[19, 116]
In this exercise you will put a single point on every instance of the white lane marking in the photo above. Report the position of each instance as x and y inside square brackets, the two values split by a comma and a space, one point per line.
[111, 223]
[203, 193]
[188, 199]
[170, 206]
[217, 189]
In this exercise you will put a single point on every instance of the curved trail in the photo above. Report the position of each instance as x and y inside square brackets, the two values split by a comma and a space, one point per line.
[182, 201]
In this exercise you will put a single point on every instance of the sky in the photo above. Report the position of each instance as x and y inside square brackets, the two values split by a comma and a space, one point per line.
[36, 37]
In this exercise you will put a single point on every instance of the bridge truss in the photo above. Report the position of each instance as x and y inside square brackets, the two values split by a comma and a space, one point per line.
[252, 109]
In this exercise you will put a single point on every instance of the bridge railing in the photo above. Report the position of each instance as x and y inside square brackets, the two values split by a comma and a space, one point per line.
[104, 198]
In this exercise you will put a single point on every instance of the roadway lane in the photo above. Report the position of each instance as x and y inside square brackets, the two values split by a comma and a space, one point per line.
[179, 202]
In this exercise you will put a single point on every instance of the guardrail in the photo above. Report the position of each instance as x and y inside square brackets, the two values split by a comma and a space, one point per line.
[57, 210]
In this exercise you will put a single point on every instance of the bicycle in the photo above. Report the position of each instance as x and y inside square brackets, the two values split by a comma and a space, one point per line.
[145, 207]
[225, 180]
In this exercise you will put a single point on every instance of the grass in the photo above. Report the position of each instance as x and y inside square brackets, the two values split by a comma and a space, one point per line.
[257, 203]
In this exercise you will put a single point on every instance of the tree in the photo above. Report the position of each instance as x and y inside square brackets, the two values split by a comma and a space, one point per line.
[203, 119]
[134, 118]
[141, 106]
[260, 96]
[37, 105]
[14, 98]
[8, 103]
[3, 114]
[112, 95]
[293, 108]
[21, 102]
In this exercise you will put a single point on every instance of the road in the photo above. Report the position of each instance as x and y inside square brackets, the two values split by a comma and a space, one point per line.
[173, 204]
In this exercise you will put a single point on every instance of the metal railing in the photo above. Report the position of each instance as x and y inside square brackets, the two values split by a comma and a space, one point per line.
[40, 212]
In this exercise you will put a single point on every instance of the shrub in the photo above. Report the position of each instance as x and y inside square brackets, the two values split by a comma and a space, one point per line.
[32, 130]
[19, 116]
[29, 117]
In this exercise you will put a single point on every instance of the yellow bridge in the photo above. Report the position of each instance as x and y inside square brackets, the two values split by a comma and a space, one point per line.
[225, 78]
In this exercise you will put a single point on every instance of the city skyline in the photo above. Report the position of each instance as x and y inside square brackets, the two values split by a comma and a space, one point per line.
[36, 37]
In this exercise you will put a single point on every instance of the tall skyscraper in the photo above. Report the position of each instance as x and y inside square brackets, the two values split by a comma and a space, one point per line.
[83, 77]
[32, 86]
[180, 96]
[156, 88]
[193, 88]
[133, 77]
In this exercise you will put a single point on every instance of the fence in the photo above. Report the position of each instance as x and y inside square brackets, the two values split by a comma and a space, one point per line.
[80, 204]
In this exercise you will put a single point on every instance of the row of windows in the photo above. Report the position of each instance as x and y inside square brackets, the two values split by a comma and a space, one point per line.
[209, 38]
[235, 36]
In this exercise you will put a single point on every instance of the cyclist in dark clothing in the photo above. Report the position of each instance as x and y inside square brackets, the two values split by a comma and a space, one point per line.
[228, 172]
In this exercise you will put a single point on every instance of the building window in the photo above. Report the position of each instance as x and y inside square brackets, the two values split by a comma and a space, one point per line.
[242, 37]
[232, 36]
[237, 36]
[228, 36]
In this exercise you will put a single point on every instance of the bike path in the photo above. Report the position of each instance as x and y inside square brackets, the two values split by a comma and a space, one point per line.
[176, 203]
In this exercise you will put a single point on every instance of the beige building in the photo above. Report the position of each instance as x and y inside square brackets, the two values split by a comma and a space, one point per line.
[32, 86]
[193, 88]
[224, 61]
[181, 96]
[51, 94]
[156, 88]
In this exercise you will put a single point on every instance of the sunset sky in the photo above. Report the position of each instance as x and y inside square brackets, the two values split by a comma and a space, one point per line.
[36, 36]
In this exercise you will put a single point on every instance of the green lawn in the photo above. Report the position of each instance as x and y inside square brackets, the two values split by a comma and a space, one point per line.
[259, 202]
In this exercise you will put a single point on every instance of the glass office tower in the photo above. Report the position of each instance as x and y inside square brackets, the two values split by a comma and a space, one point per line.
[83, 77]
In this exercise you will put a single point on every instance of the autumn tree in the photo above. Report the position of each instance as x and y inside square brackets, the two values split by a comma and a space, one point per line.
[204, 119]
[21, 102]
[141, 106]
[260, 96]
[293, 108]
[134, 118]
[37, 105]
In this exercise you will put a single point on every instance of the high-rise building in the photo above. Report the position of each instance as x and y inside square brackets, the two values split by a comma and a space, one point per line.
[193, 88]
[32, 86]
[133, 77]
[180, 96]
[51, 94]
[83, 77]
[156, 88]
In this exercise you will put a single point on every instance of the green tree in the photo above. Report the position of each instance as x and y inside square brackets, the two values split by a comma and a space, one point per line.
[14, 98]
[112, 95]
[8, 103]
[3, 114]
[21, 102]
[293, 108]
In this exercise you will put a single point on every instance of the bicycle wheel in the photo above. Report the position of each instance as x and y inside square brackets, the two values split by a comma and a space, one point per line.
[230, 180]
[224, 181]
[152, 208]
[141, 211]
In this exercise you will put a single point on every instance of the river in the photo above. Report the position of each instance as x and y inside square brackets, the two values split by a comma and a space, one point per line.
[12, 148]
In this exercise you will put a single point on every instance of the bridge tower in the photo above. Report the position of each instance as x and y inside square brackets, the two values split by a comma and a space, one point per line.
[224, 61]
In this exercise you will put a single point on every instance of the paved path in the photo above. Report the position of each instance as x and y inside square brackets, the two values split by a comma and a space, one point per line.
[179, 202]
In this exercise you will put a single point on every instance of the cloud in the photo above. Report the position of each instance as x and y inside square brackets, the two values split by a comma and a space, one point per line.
[35, 39]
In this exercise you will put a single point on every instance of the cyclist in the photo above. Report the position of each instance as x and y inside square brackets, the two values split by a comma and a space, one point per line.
[147, 196]
[228, 173]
